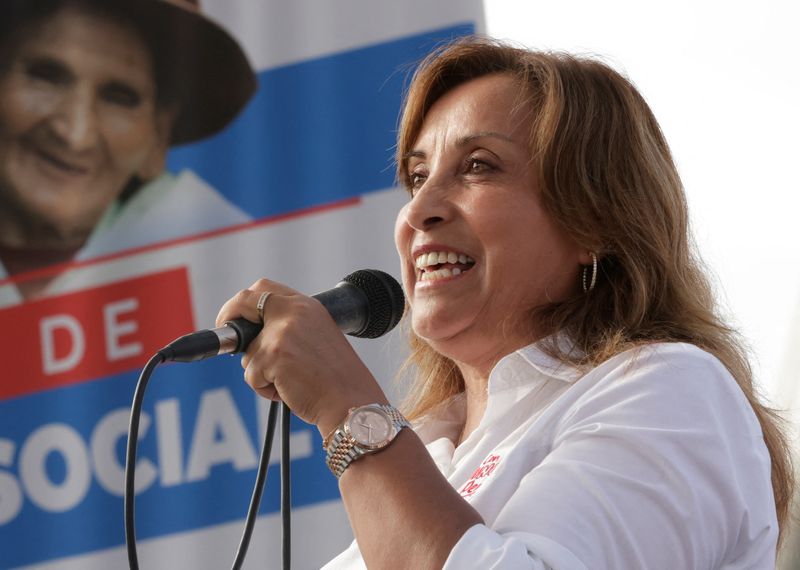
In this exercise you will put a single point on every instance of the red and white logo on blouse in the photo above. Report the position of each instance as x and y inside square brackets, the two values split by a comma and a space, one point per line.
[479, 476]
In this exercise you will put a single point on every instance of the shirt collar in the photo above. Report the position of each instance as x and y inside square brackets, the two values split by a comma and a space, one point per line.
[513, 370]
[509, 380]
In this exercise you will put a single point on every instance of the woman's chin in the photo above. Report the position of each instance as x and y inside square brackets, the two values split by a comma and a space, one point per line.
[443, 334]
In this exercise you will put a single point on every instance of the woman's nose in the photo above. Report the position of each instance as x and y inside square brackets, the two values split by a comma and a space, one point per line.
[430, 206]
[74, 121]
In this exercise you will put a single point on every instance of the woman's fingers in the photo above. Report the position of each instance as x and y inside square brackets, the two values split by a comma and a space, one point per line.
[245, 302]
[269, 392]
[256, 376]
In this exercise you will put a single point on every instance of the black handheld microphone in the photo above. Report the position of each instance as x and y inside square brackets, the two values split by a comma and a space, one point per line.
[368, 303]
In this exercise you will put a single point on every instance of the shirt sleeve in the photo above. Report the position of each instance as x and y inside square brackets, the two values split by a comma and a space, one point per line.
[481, 547]
[660, 464]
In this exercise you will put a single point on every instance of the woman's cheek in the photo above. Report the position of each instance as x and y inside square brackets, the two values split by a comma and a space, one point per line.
[402, 240]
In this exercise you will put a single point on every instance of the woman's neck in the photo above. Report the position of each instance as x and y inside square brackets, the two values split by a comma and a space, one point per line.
[476, 384]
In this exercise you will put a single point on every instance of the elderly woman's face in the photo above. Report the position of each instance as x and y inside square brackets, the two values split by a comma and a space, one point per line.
[478, 249]
[78, 119]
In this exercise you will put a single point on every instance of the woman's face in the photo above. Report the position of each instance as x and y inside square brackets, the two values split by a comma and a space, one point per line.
[78, 120]
[476, 206]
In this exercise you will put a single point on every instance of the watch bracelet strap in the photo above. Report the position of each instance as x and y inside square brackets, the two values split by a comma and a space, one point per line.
[342, 450]
[398, 419]
[328, 439]
[341, 453]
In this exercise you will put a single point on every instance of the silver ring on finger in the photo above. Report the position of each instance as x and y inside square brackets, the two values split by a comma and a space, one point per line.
[262, 300]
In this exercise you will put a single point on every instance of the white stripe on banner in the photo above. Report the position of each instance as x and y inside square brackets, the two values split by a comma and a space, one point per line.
[276, 32]
[318, 528]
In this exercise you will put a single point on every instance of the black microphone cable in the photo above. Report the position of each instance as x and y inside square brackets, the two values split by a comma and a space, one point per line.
[130, 458]
[286, 488]
[258, 487]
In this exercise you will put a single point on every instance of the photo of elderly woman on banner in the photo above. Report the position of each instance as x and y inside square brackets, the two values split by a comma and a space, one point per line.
[92, 96]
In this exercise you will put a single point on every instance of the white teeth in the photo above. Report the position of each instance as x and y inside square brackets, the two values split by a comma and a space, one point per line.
[439, 274]
[456, 271]
[440, 257]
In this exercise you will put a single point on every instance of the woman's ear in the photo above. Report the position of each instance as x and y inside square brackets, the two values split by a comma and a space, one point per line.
[156, 160]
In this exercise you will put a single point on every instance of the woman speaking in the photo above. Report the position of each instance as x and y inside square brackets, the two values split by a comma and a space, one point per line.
[578, 402]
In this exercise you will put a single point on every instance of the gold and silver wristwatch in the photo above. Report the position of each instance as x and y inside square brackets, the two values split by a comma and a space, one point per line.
[366, 429]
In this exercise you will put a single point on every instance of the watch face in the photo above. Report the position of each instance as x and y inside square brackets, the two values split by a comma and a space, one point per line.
[370, 427]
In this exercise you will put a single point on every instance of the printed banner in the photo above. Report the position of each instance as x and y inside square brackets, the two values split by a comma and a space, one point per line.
[155, 158]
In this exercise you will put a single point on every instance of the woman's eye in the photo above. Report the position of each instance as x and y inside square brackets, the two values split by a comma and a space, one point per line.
[122, 95]
[415, 181]
[477, 166]
[49, 71]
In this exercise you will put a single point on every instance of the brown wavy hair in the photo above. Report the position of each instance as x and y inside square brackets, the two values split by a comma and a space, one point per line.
[608, 180]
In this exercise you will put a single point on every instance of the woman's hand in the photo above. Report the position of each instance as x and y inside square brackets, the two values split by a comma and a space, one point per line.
[300, 356]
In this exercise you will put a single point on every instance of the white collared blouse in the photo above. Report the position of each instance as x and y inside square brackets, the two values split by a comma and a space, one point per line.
[653, 460]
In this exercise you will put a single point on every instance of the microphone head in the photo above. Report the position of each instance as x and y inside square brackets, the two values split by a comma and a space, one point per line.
[385, 301]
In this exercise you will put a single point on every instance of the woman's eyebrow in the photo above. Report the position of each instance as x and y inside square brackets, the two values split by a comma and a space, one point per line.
[464, 141]
[45, 60]
[414, 154]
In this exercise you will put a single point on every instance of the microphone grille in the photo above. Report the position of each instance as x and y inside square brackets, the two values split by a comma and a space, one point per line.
[385, 301]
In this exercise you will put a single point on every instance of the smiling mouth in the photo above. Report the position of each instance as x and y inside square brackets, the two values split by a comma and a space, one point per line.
[442, 264]
[61, 165]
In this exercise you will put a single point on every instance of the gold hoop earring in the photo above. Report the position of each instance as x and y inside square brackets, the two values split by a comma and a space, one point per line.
[587, 289]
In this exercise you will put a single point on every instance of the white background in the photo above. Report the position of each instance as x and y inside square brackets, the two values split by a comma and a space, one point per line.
[723, 79]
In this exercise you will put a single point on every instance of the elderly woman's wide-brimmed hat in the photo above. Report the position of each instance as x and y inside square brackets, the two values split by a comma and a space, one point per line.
[199, 65]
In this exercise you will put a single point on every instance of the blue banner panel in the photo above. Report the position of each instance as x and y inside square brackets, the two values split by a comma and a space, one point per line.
[316, 132]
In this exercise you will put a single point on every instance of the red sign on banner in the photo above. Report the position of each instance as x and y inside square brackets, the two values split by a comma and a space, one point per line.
[93, 333]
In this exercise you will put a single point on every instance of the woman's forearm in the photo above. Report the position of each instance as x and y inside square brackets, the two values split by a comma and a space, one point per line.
[403, 511]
